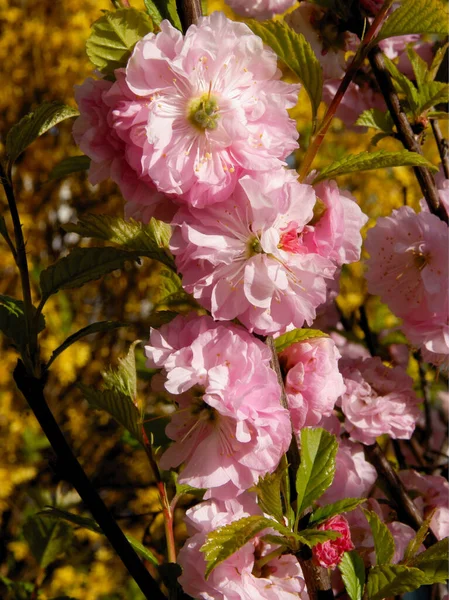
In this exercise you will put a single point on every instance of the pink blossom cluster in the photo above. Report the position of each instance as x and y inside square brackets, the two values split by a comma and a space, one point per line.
[329, 554]
[239, 577]
[408, 269]
[231, 428]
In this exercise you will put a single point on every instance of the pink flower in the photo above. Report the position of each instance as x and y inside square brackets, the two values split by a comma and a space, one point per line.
[354, 476]
[358, 97]
[96, 136]
[208, 107]
[377, 400]
[260, 9]
[321, 29]
[313, 383]
[330, 553]
[336, 234]
[408, 269]
[430, 492]
[231, 428]
[249, 261]
[239, 577]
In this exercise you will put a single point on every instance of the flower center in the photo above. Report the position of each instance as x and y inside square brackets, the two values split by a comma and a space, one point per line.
[290, 240]
[254, 247]
[203, 112]
[421, 260]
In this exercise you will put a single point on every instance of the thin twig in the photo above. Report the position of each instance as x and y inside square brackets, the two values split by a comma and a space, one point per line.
[443, 146]
[33, 391]
[405, 132]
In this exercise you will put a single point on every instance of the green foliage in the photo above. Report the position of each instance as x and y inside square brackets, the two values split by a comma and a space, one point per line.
[224, 541]
[67, 166]
[18, 590]
[269, 495]
[436, 62]
[317, 468]
[99, 327]
[337, 508]
[433, 562]
[312, 537]
[35, 124]
[169, 287]
[47, 538]
[91, 525]
[149, 240]
[12, 321]
[415, 16]
[391, 580]
[80, 266]
[414, 545]
[432, 93]
[383, 540]
[124, 378]
[118, 405]
[352, 572]
[163, 9]
[113, 37]
[376, 119]
[296, 335]
[296, 52]
[419, 65]
[365, 161]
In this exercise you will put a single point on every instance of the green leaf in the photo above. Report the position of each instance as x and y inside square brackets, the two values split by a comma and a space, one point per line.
[149, 240]
[99, 327]
[433, 562]
[166, 9]
[403, 86]
[276, 539]
[92, 525]
[35, 124]
[296, 52]
[436, 62]
[352, 572]
[123, 379]
[383, 539]
[326, 512]
[366, 161]
[153, 11]
[419, 65]
[376, 119]
[312, 537]
[269, 495]
[12, 320]
[47, 538]
[169, 285]
[67, 166]
[223, 542]
[118, 405]
[392, 580]
[431, 94]
[414, 545]
[297, 335]
[113, 37]
[80, 266]
[317, 468]
[415, 16]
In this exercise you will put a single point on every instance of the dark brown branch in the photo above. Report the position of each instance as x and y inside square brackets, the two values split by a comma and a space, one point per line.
[33, 391]
[189, 12]
[316, 577]
[405, 132]
[407, 511]
[443, 146]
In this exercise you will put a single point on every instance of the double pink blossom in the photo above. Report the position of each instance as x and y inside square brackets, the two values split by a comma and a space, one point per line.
[260, 9]
[210, 106]
[230, 429]
[377, 400]
[408, 269]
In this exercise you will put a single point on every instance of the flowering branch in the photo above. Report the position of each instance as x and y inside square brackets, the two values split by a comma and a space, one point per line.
[355, 65]
[405, 131]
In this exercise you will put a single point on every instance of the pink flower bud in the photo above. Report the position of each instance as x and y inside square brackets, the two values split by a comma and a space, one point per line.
[330, 553]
